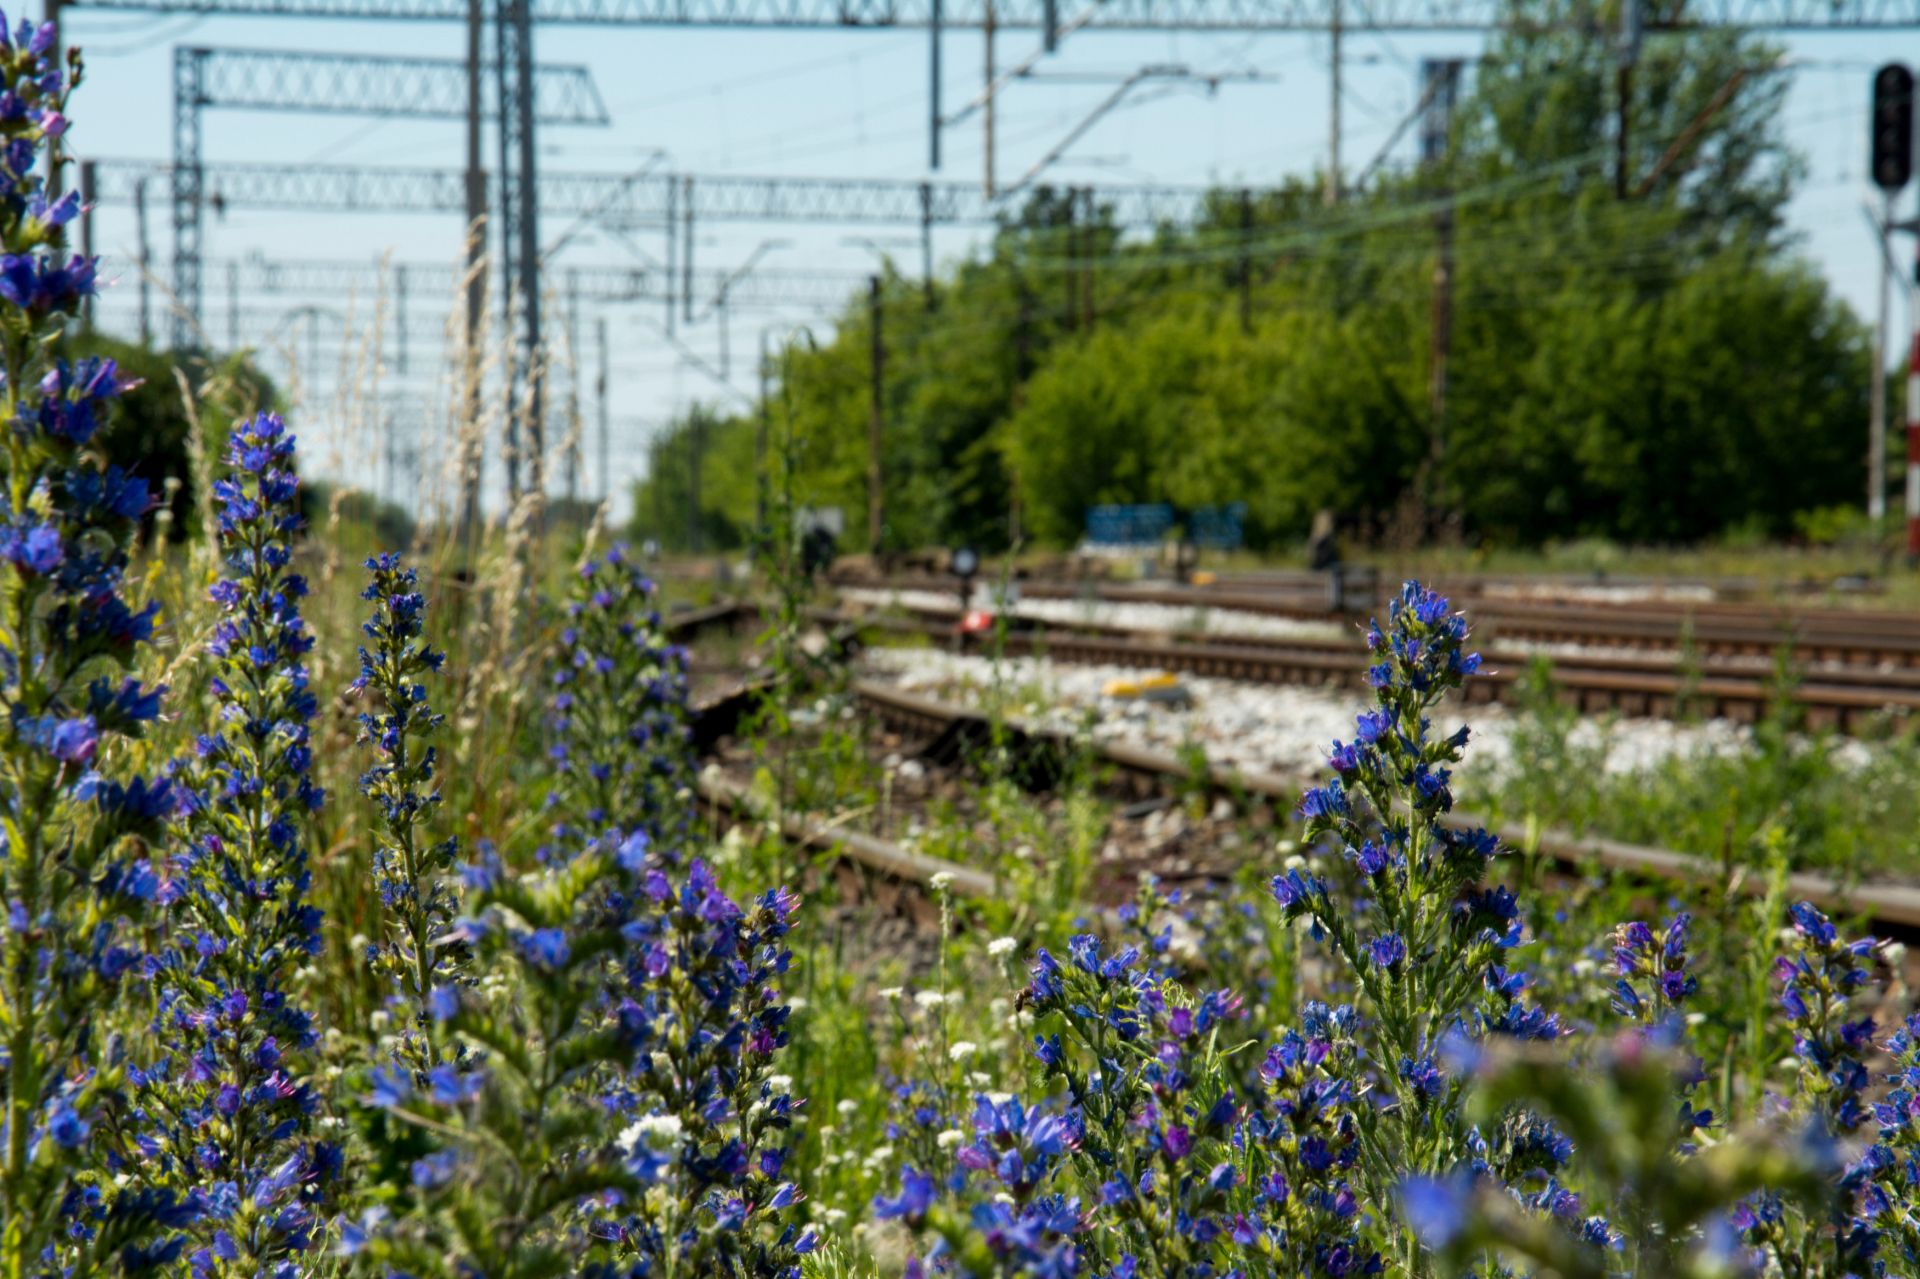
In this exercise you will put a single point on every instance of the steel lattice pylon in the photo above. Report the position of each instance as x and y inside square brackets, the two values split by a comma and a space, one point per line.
[520, 240]
[338, 84]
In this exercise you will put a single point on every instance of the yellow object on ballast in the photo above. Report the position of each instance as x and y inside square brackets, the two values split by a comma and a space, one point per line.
[1204, 577]
[1164, 687]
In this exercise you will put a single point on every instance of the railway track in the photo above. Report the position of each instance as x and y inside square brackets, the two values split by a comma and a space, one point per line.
[1894, 909]
[1861, 637]
[1846, 700]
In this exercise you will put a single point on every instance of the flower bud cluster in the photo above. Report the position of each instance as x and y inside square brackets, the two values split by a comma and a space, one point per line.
[419, 949]
[1172, 1150]
[617, 717]
[228, 1109]
[79, 883]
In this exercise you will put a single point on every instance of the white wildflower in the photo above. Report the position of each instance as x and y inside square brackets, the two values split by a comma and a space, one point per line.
[658, 1132]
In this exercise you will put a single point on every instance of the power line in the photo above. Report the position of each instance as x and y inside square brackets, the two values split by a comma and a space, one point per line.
[1041, 15]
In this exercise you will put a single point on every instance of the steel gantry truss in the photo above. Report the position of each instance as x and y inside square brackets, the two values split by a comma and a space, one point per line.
[1043, 15]
[359, 84]
[337, 84]
[589, 283]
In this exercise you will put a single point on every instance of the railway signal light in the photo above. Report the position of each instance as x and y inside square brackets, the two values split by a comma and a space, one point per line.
[1892, 127]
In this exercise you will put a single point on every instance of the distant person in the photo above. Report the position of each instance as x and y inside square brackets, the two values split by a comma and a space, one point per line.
[1323, 556]
[816, 551]
[1323, 545]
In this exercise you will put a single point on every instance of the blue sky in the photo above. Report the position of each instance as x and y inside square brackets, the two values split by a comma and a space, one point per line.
[814, 103]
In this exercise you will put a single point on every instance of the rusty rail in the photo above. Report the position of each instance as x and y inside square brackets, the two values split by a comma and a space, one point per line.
[1896, 905]
[1853, 704]
[1861, 637]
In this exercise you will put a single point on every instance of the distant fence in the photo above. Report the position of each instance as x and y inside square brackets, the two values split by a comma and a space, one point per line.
[1221, 528]
[1129, 525]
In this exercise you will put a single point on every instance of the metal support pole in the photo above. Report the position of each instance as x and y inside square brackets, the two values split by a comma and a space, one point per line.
[1627, 54]
[504, 92]
[658, 455]
[600, 406]
[145, 251]
[1246, 261]
[1071, 276]
[1913, 408]
[57, 50]
[1087, 276]
[1050, 25]
[696, 445]
[673, 222]
[1877, 406]
[877, 369]
[1441, 88]
[400, 317]
[986, 30]
[933, 85]
[1023, 329]
[1333, 110]
[761, 482]
[86, 211]
[926, 242]
[573, 387]
[529, 263]
[1441, 350]
[186, 177]
[686, 251]
[472, 436]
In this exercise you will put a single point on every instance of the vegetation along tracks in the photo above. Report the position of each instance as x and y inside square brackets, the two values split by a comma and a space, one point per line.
[948, 730]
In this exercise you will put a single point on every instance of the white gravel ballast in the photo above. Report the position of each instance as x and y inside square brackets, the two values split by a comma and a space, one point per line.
[1148, 619]
[1252, 727]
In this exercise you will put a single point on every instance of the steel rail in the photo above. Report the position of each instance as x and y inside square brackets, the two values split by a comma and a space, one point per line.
[1897, 905]
[1894, 906]
[1656, 694]
[1626, 662]
[1832, 637]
